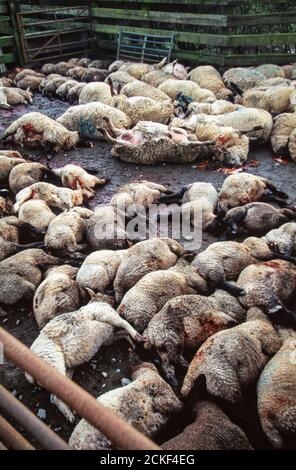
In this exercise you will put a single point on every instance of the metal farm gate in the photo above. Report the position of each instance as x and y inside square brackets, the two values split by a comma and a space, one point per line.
[51, 33]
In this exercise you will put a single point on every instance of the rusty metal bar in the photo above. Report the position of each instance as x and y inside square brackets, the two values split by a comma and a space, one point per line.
[114, 428]
[13, 438]
[18, 411]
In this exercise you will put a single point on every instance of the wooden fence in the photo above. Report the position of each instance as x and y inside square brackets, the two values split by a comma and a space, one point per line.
[7, 54]
[218, 32]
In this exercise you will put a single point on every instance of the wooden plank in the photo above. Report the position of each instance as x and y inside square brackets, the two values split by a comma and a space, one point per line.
[219, 40]
[190, 18]
[160, 16]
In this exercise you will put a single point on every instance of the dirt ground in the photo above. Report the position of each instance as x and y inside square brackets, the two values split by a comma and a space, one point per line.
[114, 360]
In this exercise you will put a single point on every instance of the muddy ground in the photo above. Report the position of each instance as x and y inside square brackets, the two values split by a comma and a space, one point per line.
[114, 360]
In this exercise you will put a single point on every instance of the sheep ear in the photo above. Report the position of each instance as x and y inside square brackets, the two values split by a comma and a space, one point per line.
[91, 293]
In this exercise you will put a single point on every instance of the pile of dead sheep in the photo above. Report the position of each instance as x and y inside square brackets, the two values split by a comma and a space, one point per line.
[159, 113]
[215, 323]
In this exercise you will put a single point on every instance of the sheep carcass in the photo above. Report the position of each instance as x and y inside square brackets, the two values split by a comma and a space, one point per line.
[13, 96]
[186, 322]
[208, 77]
[98, 270]
[51, 85]
[92, 74]
[73, 338]
[275, 99]
[151, 292]
[10, 228]
[62, 198]
[89, 119]
[93, 92]
[30, 82]
[243, 78]
[284, 127]
[104, 229]
[120, 79]
[282, 240]
[211, 430]
[188, 88]
[228, 146]
[7, 164]
[35, 129]
[243, 188]
[198, 197]
[149, 255]
[63, 90]
[141, 108]
[66, 231]
[146, 403]
[223, 261]
[58, 293]
[270, 70]
[269, 285]
[25, 174]
[276, 391]
[141, 192]
[138, 88]
[231, 360]
[36, 213]
[75, 92]
[152, 143]
[21, 274]
[73, 176]
[256, 218]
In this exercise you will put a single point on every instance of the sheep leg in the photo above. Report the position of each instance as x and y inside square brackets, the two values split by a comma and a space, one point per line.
[28, 246]
[174, 196]
[168, 370]
[119, 322]
[268, 196]
[232, 289]
[124, 335]
[280, 314]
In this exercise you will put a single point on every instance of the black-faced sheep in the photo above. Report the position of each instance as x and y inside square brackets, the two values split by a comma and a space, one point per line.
[58, 293]
[35, 129]
[151, 292]
[243, 78]
[231, 360]
[149, 255]
[146, 403]
[256, 218]
[186, 322]
[211, 430]
[73, 338]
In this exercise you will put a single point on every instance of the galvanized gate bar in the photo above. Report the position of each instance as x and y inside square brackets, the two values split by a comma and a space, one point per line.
[141, 47]
[57, 35]
[13, 438]
[114, 428]
[18, 411]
